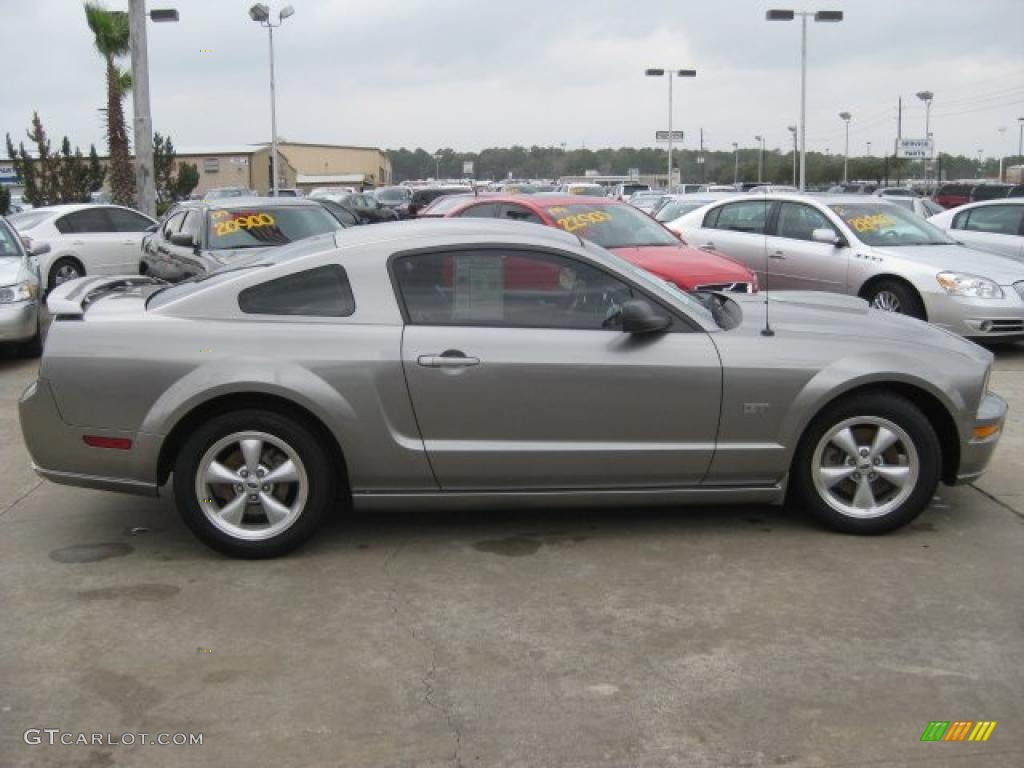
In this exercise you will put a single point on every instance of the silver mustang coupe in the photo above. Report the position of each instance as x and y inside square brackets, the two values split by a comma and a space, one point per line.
[486, 363]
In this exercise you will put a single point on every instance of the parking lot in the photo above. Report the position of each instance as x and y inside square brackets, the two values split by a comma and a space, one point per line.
[738, 636]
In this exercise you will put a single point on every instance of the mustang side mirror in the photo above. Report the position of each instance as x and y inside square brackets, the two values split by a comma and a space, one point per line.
[183, 239]
[639, 316]
[825, 235]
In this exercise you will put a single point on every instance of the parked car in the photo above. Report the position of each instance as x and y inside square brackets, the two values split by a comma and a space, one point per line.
[896, 192]
[995, 226]
[625, 190]
[515, 188]
[393, 366]
[395, 198]
[952, 194]
[285, 192]
[220, 193]
[853, 188]
[345, 216]
[624, 231]
[689, 189]
[679, 205]
[763, 188]
[587, 189]
[648, 201]
[989, 191]
[19, 291]
[84, 239]
[331, 193]
[1016, 191]
[922, 206]
[368, 208]
[425, 196]
[867, 247]
[196, 238]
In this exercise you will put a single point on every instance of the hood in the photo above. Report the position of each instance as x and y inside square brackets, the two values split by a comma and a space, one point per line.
[236, 256]
[960, 258]
[797, 312]
[685, 266]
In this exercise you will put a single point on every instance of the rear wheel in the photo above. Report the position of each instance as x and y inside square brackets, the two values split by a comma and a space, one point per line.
[253, 483]
[64, 269]
[894, 296]
[868, 464]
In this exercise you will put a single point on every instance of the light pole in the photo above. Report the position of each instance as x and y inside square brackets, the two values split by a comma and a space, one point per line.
[869, 149]
[760, 158]
[671, 73]
[1020, 141]
[145, 183]
[736, 163]
[926, 97]
[845, 117]
[792, 129]
[980, 169]
[260, 13]
[819, 16]
[1002, 130]
[437, 166]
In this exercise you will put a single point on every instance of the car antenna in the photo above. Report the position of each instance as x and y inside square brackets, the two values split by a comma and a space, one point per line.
[767, 330]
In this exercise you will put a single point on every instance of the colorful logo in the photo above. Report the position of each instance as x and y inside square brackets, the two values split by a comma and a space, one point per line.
[958, 730]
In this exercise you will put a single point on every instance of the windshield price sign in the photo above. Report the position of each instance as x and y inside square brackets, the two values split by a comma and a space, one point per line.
[664, 135]
[914, 149]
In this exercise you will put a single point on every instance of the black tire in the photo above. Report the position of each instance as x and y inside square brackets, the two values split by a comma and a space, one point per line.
[63, 263]
[906, 300]
[805, 493]
[320, 477]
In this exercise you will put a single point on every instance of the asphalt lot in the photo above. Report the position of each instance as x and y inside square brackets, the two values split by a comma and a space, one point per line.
[737, 636]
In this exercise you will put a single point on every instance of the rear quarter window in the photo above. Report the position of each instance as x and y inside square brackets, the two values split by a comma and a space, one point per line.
[320, 292]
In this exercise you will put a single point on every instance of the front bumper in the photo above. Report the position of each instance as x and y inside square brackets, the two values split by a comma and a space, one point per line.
[59, 452]
[976, 453]
[979, 319]
[19, 321]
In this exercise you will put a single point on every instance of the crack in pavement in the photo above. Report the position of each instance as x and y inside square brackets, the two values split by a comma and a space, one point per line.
[21, 498]
[998, 501]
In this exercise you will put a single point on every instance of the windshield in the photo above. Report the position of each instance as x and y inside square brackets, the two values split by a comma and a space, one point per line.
[611, 226]
[27, 219]
[261, 227]
[393, 195]
[672, 211]
[9, 246]
[885, 224]
[585, 189]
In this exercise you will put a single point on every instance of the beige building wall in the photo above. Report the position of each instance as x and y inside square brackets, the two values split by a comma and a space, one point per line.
[333, 160]
[225, 170]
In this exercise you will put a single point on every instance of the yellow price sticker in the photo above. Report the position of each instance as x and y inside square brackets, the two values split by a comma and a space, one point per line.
[871, 223]
[251, 221]
[582, 220]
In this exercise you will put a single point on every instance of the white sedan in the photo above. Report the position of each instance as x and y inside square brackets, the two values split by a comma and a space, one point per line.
[996, 226]
[84, 239]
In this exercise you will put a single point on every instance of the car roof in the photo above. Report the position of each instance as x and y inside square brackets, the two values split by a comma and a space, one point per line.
[72, 207]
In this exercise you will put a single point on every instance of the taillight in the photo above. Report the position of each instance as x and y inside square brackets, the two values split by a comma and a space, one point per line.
[98, 441]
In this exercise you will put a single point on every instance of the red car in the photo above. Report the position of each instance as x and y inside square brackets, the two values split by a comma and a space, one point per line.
[623, 230]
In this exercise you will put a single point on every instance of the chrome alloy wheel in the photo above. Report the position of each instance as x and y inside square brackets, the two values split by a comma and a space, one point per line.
[251, 485]
[64, 273]
[887, 301]
[865, 467]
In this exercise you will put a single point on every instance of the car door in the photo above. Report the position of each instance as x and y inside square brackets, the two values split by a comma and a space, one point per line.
[186, 259]
[996, 228]
[129, 228]
[795, 261]
[524, 382]
[737, 230]
[88, 237]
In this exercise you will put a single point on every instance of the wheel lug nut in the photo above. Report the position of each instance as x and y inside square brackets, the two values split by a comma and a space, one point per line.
[872, 476]
[243, 472]
[878, 462]
[261, 471]
[863, 451]
[266, 488]
[252, 497]
[239, 488]
[856, 475]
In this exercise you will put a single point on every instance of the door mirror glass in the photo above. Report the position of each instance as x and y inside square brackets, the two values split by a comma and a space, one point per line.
[639, 316]
[824, 235]
[184, 239]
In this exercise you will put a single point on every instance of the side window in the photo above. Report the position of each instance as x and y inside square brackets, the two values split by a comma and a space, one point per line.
[87, 221]
[193, 224]
[319, 292]
[345, 216]
[749, 216]
[482, 211]
[505, 288]
[960, 220]
[519, 213]
[128, 221]
[797, 221]
[995, 219]
[172, 225]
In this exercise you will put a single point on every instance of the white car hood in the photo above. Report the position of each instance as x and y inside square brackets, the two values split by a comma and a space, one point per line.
[959, 258]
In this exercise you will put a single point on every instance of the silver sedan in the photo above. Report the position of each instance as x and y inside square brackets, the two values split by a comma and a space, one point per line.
[867, 247]
[484, 363]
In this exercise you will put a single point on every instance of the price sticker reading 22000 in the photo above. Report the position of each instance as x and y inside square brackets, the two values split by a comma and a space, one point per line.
[226, 226]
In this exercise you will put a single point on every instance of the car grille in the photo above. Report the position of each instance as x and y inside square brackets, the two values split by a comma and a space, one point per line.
[727, 287]
[1019, 287]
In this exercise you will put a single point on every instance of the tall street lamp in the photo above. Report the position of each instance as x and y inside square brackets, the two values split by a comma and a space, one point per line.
[792, 129]
[736, 163]
[671, 73]
[926, 97]
[819, 16]
[260, 13]
[760, 158]
[845, 117]
[869, 149]
[1002, 131]
[437, 166]
[1020, 141]
[145, 183]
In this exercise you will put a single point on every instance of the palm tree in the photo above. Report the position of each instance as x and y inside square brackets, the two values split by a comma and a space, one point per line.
[110, 29]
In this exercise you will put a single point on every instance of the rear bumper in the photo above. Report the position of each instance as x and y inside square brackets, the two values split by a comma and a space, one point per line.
[20, 321]
[59, 452]
[976, 453]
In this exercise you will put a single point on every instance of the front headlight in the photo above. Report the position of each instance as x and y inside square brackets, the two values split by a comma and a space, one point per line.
[11, 294]
[961, 284]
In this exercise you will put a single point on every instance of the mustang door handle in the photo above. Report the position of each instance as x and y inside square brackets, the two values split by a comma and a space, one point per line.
[777, 255]
[447, 360]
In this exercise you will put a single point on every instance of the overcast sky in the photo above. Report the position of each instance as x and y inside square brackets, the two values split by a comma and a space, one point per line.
[476, 73]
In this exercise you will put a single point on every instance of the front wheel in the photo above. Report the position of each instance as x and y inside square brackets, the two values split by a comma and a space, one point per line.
[894, 296]
[867, 465]
[253, 483]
